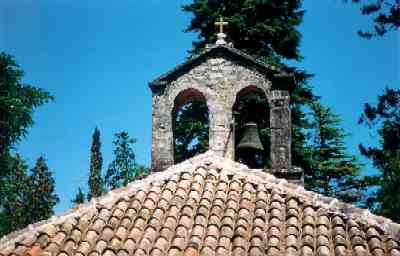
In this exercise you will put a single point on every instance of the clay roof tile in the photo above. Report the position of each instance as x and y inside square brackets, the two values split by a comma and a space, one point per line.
[218, 205]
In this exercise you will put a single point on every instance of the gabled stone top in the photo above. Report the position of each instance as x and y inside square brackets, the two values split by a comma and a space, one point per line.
[216, 51]
[209, 205]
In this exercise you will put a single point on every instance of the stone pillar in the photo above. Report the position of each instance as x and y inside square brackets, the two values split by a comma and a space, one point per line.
[281, 130]
[162, 148]
[220, 129]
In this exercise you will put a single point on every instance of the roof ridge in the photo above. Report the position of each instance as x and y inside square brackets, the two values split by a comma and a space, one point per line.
[329, 204]
[110, 196]
[209, 161]
[160, 80]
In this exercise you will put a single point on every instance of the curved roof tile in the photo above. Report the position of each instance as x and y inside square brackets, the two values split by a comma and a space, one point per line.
[210, 206]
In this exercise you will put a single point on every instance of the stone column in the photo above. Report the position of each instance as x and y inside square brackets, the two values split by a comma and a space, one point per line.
[281, 130]
[162, 148]
[220, 128]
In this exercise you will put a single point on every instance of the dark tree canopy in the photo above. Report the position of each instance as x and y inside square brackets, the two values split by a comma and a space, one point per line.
[333, 172]
[41, 197]
[13, 194]
[191, 126]
[386, 16]
[96, 184]
[17, 103]
[384, 119]
[26, 198]
[79, 198]
[260, 28]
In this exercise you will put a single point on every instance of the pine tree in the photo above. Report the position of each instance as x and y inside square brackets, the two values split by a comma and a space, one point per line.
[386, 16]
[333, 172]
[267, 30]
[41, 197]
[96, 184]
[12, 213]
[79, 198]
[123, 169]
[384, 120]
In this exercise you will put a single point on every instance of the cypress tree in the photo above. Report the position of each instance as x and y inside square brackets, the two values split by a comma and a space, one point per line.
[96, 184]
[41, 196]
[332, 172]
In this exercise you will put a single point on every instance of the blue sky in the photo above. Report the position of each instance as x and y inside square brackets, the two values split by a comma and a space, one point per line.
[97, 57]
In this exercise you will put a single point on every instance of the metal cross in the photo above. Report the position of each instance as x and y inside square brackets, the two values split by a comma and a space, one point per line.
[221, 23]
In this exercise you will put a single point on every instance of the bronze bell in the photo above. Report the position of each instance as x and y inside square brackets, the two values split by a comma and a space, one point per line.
[250, 138]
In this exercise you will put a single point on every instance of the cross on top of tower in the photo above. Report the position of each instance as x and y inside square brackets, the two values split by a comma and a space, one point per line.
[221, 35]
[221, 23]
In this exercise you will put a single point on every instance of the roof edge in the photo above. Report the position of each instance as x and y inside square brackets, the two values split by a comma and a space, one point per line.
[209, 160]
[164, 79]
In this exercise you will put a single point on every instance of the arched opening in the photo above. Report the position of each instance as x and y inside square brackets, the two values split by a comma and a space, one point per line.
[252, 128]
[190, 124]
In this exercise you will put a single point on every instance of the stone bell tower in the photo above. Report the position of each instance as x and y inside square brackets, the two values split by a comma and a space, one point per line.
[218, 76]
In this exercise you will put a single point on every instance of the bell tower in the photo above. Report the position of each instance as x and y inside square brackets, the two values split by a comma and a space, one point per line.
[218, 76]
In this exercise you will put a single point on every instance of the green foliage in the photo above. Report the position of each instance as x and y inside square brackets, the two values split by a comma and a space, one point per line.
[41, 197]
[17, 102]
[387, 16]
[13, 193]
[191, 126]
[333, 172]
[79, 198]
[141, 171]
[267, 30]
[123, 169]
[26, 198]
[96, 184]
[260, 28]
[384, 119]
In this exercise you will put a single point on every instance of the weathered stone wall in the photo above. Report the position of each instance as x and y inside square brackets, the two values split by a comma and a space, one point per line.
[281, 135]
[218, 80]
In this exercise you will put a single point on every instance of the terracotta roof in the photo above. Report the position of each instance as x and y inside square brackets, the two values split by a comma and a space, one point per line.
[217, 51]
[210, 206]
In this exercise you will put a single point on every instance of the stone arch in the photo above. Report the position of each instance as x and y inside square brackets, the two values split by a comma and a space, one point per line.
[180, 100]
[241, 116]
[245, 87]
[247, 90]
[187, 95]
[175, 89]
